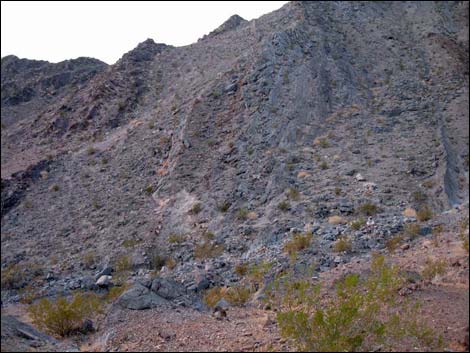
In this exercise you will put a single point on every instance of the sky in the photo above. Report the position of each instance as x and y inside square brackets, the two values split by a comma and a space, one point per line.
[56, 31]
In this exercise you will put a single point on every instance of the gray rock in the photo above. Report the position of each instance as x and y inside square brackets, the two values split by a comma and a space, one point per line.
[140, 298]
[104, 281]
[167, 288]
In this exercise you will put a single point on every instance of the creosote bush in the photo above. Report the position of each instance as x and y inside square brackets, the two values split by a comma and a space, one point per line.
[362, 314]
[64, 317]
[433, 268]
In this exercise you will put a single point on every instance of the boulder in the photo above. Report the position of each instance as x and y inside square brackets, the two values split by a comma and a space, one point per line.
[104, 281]
[140, 298]
[167, 288]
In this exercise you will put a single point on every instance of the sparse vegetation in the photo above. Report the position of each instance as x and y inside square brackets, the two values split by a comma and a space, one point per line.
[196, 208]
[224, 206]
[122, 263]
[242, 214]
[63, 317]
[412, 230]
[293, 194]
[237, 295]
[175, 238]
[207, 250]
[283, 206]
[358, 224]
[324, 165]
[13, 277]
[419, 197]
[368, 209]
[424, 214]
[433, 268]
[343, 244]
[130, 243]
[393, 243]
[298, 243]
[360, 315]
[90, 150]
[241, 269]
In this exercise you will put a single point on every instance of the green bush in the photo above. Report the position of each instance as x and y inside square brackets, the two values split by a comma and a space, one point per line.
[62, 317]
[361, 315]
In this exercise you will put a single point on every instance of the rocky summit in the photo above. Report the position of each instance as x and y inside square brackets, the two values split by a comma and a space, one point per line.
[308, 138]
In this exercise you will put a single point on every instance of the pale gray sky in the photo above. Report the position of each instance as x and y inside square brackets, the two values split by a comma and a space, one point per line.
[56, 31]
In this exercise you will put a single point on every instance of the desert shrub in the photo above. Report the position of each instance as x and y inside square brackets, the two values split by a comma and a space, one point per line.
[28, 294]
[343, 244]
[424, 214]
[242, 214]
[241, 269]
[324, 165]
[293, 194]
[115, 292]
[238, 295]
[337, 191]
[90, 150]
[208, 236]
[55, 188]
[419, 196]
[157, 259]
[63, 317]
[432, 268]
[257, 272]
[170, 263]
[362, 314]
[122, 263]
[130, 243]
[212, 296]
[175, 238]
[207, 250]
[283, 206]
[224, 206]
[393, 243]
[89, 259]
[412, 230]
[13, 277]
[358, 224]
[149, 189]
[196, 208]
[368, 209]
[428, 184]
[298, 243]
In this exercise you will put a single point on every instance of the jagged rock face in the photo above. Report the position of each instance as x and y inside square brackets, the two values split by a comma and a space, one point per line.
[302, 99]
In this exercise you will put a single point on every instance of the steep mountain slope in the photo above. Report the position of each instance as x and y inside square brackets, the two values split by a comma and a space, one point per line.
[264, 124]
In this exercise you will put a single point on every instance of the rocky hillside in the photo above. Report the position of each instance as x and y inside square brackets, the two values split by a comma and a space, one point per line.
[323, 117]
